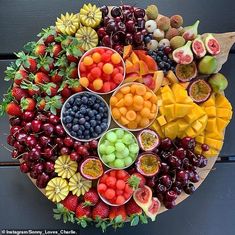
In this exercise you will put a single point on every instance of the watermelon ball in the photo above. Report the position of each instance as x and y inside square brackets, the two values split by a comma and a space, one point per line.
[86, 116]
[118, 148]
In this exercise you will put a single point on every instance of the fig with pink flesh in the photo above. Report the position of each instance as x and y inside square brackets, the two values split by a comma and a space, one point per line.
[199, 91]
[148, 140]
[153, 209]
[184, 54]
[212, 45]
[143, 197]
[91, 168]
[148, 164]
[198, 47]
[186, 72]
[190, 32]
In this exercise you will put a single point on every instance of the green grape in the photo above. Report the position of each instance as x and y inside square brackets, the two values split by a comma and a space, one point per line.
[125, 152]
[110, 157]
[119, 147]
[106, 143]
[119, 133]
[111, 136]
[134, 148]
[102, 148]
[109, 149]
[118, 163]
[127, 139]
[119, 155]
[111, 164]
[105, 159]
[128, 161]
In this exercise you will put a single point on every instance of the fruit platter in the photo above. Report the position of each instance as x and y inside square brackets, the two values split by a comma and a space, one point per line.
[118, 113]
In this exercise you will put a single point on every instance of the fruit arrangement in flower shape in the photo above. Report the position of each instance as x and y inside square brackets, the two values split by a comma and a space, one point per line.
[172, 88]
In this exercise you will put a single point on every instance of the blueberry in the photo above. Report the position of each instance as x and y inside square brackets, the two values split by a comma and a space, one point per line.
[75, 127]
[160, 53]
[67, 106]
[105, 114]
[98, 122]
[71, 101]
[98, 101]
[75, 108]
[68, 119]
[87, 125]
[98, 129]
[154, 57]
[69, 125]
[72, 113]
[101, 110]
[95, 135]
[90, 102]
[91, 129]
[93, 123]
[167, 66]
[161, 64]
[86, 132]
[95, 112]
[90, 113]
[84, 100]
[147, 39]
[73, 133]
[79, 132]
[75, 121]
[103, 126]
[160, 48]
[96, 106]
[82, 128]
[105, 120]
[83, 110]
[165, 58]
[78, 102]
[82, 121]
[87, 137]
[64, 120]
[98, 117]
[158, 59]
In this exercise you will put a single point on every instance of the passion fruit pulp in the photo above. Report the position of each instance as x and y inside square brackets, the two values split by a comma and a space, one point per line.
[186, 72]
[148, 140]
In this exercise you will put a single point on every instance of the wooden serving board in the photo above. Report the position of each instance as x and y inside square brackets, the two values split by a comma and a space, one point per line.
[226, 41]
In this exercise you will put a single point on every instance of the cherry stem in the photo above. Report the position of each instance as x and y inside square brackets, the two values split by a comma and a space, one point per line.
[6, 148]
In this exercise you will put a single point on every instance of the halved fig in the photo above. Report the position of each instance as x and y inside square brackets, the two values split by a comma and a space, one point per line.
[184, 54]
[148, 140]
[212, 45]
[199, 91]
[186, 72]
[143, 197]
[153, 209]
[198, 47]
[148, 164]
[190, 32]
[91, 168]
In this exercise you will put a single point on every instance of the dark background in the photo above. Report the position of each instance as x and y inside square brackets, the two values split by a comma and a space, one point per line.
[210, 211]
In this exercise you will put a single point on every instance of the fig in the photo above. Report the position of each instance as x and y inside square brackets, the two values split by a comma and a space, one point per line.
[212, 45]
[148, 140]
[164, 23]
[172, 32]
[186, 72]
[143, 197]
[198, 47]
[207, 65]
[176, 42]
[190, 32]
[183, 55]
[199, 91]
[91, 168]
[148, 164]
[153, 209]
[152, 12]
[176, 21]
[218, 82]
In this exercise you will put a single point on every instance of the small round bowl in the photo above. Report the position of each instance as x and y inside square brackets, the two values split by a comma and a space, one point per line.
[105, 200]
[124, 127]
[90, 52]
[80, 94]
[102, 139]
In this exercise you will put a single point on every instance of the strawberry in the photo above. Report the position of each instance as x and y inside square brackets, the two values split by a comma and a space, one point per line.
[46, 64]
[28, 104]
[132, 208]
[70, 202]
[65, 91]
[91, 197]
[121, 212]
[48, 35]
[113, 212]
[137, 180]
[31, 88]
[28, 62]
[18, 93]
[13, 109]
[40, 50]
[41, 104]
[72, 58]
[20, 75]
[55, 50]
[56, 76]
[41, 77]
[74, 85]
[83, 211]
[72, 71]
[100, 211]
[50, 88]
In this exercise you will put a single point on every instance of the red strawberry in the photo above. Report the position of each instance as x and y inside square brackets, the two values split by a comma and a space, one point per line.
[31, 88]
[100, 211]
[113, 212]
[28, 104]
[74, 85]
[13, 109]
[50, 88]
[83, 211]
[56, 49]
[40, 50]
[132, 208]
[48, 35]
[46, 64]
[18, 93]
[72, 58]
[41, 77]
[72, 71]
[56, 76]
[137, 179]
[41, 104]
[70, 202]
[28, 62]
[117, 211]
[20, 75]
[66, 92]
[91, 197]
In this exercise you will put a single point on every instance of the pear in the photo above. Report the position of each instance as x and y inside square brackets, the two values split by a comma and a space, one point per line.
[218, 82]
[207, 65]
[190, 32]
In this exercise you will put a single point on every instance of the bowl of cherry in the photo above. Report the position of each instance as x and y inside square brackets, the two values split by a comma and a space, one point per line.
[85, 116]
[101, 70]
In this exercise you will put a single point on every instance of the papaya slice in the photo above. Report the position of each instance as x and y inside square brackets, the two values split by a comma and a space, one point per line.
[127, 51]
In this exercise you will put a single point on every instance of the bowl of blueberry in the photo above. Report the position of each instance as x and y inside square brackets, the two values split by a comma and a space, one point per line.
[85, 116]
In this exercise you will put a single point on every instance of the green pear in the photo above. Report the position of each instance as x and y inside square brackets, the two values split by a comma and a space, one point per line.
[207, 65]
[218, 82]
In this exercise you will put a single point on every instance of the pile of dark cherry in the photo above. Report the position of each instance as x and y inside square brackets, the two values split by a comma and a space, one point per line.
[39, 138]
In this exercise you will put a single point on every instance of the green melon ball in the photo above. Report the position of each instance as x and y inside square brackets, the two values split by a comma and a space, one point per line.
[111, 136]
[133, 156]
[109, 149]
[128, 161]
[127, 139]
[106, 143]
[120, 133]
[110, 157]
[105, 158]
[119, 146]
[119, 155]
[111, 164]
[119, 163]
[125, 152]
[102, 148]
[134, 148]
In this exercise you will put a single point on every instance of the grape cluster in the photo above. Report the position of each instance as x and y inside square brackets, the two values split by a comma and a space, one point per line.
[126, 26]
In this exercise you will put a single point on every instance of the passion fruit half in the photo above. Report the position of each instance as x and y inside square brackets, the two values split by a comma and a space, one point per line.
[148, 140]
[148, 164]
[199, 91]
[186, 72]
[91, 168]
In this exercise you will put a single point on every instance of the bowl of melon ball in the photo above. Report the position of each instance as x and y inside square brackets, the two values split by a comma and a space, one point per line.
[134, 106]
[118, 148]
[101, 70]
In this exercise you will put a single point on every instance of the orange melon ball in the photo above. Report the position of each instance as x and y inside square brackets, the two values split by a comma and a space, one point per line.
[131, 115]
[137, 107]
[96, 57]
[138, 100]
[153, 99]
[125, 90]
[119, 95]
[108, 68]
[123, 110]
[152, 115]
[120, 103]
[132, 125]
[116, 58]
[87, 61]
[133, 88]
[138, 118]
[123, 121]
[144, 122]
[98, 84]
[140, 90]
[145, 112]
[148, 95]
[154, 108]
[84, 81]
[113, 100]
[128, 99]
[116, 113]
[147, 104]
